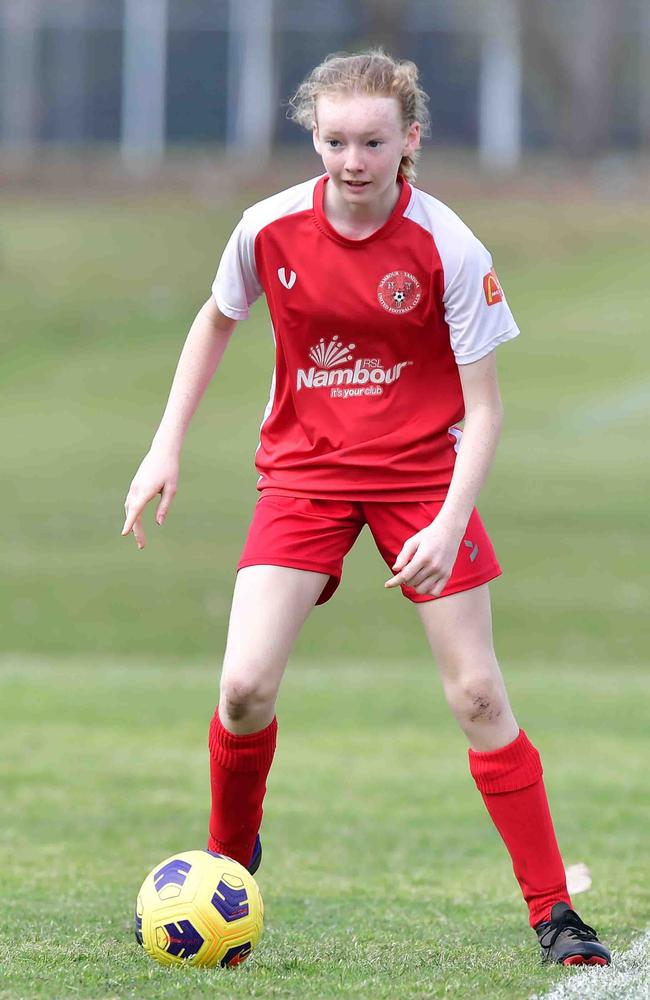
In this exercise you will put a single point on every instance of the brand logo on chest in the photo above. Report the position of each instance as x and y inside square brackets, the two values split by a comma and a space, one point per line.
[365, 377]
[399, 292]
[289, 281]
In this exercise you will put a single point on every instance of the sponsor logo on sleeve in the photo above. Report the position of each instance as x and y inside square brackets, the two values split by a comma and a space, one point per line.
[492, 288]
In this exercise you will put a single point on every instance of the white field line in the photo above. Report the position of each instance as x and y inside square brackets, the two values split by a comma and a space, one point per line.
[611, 410]
[627, 978]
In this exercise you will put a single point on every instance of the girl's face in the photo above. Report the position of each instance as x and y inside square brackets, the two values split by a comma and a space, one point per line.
[361, 139]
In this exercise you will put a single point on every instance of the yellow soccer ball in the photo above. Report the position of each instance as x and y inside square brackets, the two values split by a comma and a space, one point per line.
[199, 908]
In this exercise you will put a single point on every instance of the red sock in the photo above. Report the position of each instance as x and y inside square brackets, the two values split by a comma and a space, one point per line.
[239, 766]
[510, 781]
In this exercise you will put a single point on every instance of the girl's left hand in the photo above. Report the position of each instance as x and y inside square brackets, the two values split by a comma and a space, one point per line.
[426, 560]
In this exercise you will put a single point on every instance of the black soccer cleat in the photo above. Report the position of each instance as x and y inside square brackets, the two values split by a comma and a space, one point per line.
[566, 940]
[256, 859]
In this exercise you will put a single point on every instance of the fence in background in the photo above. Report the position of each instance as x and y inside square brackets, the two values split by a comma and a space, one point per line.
[503, 75]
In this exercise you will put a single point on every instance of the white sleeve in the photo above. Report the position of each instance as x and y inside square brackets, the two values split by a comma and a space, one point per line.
[237, 285]
[476, 310]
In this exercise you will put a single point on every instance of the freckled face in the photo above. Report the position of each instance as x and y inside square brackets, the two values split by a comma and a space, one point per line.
[361, 139]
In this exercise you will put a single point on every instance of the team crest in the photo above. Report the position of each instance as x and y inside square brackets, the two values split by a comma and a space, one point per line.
[399, 292]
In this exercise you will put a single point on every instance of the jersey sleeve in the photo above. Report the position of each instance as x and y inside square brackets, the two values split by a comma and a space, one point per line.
[476, 310]
[237, 284]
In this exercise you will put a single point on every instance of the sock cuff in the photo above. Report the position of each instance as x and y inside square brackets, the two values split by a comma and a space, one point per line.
[250, 752]
[507, 769]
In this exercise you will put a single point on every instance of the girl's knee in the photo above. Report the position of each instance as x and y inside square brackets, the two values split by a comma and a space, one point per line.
[477, 696]
[241, 697]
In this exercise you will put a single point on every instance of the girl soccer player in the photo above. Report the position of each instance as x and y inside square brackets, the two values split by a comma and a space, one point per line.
[386, 314]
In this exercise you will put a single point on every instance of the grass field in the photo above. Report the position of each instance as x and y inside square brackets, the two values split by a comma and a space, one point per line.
[382, 875]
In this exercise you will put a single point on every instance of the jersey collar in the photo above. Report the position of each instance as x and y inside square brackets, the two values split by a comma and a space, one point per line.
[391, 223]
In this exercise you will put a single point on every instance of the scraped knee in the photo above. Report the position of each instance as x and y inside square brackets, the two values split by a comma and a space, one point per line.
[477, 697]
[242, 697]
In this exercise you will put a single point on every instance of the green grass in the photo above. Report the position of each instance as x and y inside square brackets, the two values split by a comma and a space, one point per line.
[382, 875]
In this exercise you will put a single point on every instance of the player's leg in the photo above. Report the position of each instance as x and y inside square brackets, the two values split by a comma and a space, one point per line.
[459, 631]
[270, 604]
[504, 764]
[507, 770]
[292, 559]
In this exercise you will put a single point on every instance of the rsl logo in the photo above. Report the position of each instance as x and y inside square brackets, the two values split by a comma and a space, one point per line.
[399, 292]
[332, 354]
[336, 369]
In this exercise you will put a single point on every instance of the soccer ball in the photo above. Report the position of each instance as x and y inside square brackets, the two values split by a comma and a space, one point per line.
[199, 908]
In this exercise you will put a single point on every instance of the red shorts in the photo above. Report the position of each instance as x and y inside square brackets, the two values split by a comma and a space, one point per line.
[317, 534]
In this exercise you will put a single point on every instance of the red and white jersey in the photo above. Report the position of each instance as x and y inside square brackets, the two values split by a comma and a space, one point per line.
[365, 393]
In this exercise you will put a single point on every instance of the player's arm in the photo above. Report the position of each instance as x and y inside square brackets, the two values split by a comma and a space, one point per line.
[427, 558]
[481, 430]
[158, 472]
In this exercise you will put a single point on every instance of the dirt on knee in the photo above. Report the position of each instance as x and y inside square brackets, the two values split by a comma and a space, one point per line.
[483, 710]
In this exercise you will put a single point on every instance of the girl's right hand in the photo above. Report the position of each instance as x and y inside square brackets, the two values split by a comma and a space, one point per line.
[158, 473]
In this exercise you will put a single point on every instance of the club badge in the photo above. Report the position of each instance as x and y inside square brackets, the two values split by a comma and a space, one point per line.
[399, 292]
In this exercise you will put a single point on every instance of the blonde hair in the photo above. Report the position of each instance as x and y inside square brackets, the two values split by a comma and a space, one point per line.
[373, 73]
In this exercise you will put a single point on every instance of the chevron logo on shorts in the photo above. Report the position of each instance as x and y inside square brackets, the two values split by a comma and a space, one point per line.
[470, 545]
